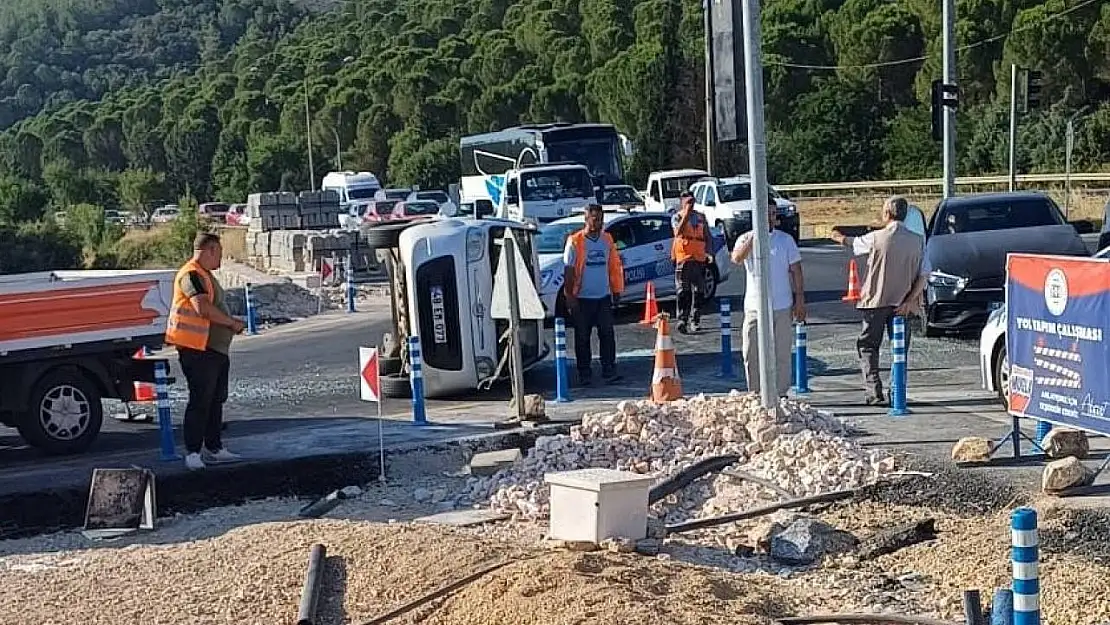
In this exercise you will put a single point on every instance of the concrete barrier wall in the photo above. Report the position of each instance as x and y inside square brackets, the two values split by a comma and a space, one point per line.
[303, 251]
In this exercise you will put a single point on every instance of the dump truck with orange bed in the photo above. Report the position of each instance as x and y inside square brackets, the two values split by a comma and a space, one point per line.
[68, 341]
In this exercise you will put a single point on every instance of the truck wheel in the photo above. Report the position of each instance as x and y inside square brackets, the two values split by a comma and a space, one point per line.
[384, 236]
[396, 386]
[389, 366]
[64, 413]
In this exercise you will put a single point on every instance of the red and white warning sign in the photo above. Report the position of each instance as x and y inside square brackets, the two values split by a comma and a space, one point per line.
[326, 270]
[368, 378]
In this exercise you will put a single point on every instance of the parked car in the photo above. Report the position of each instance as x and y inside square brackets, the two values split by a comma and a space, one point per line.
[213, 211]
[237, 215]
[644, 242]
[165, 215]
[447, 208]
[727, 204]
[968, 238]
[665, 187]
[115, 217]
[620, 196]
[392, 194]
[994, 363]
[414, 209]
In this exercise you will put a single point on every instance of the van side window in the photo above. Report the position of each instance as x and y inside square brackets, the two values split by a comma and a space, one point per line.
[654, 191]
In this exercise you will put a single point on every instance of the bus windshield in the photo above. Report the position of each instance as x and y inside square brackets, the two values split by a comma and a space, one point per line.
[599, 155]
[555, 185]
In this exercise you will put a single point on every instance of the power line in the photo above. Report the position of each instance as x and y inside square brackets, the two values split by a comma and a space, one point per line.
[918, 59]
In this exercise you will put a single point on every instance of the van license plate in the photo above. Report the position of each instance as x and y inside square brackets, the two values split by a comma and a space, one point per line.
[439, 317]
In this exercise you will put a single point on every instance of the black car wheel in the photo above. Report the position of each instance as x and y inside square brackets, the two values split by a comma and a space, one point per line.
[396, 386]
[711, 282]
[64, 414]
[1001, 372]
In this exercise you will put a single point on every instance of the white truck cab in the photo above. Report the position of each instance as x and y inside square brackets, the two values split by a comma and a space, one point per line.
[351, 187]
[664, 187]
[543, 193]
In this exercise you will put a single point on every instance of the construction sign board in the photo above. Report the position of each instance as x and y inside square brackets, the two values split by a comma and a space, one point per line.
[1058, 311]
[369, 380]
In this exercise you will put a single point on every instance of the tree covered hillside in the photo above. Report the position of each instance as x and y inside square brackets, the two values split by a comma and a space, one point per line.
[397, 81]
[58, 51]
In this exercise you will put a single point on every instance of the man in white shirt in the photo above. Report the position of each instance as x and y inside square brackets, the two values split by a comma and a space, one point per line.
[787, 301]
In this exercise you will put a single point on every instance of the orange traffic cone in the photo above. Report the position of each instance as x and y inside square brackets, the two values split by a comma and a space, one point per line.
[666, 385]
[144, 391]
[853, 283]
[651, 307]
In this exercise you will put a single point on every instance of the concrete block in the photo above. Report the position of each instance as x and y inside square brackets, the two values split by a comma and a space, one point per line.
[491, 462]
[595, 504]
[463, 518]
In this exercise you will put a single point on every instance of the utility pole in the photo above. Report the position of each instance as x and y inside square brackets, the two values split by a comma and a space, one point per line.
[1068, 148]
[308, 139]
[949, 18]
[1013, 126]
[757, 169]
[708, 87]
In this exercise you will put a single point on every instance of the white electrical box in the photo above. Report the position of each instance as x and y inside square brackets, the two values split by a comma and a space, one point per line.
[595, 504]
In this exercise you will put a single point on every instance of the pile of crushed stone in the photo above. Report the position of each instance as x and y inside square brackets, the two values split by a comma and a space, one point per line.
[801, 450]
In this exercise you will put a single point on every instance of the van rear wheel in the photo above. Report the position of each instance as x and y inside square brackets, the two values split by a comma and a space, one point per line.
[64, 412]
[384, 236]
[396, 386]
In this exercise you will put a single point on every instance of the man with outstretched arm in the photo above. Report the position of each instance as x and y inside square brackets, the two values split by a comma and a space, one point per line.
[201, 328]
[894, 283]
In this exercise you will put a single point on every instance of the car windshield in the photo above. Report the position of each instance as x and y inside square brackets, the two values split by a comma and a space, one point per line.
[738, 192]
[552, 238]
[673, 187]
[556, 185]
[1002, 214]
[619, 195]
[420, 207]
[361, 193]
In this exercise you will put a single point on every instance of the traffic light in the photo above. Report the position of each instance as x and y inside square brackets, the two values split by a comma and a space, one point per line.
[942, 96]
[1034, 79]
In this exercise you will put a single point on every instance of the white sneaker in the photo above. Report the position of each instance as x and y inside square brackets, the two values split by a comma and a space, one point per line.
[221, 456]
[193, 462]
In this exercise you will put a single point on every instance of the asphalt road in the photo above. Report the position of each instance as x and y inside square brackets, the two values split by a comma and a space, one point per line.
[308, 370]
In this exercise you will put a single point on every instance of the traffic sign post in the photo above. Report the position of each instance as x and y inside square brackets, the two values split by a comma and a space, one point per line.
[370, 389]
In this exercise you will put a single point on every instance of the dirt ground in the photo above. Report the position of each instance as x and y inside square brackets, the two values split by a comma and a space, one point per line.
[863, 210]
[247, 573]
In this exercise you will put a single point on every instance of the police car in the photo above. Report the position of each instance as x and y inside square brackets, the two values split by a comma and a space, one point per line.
[644, 243]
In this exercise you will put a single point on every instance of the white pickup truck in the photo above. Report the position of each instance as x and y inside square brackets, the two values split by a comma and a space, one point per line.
[67, 341]
[664, 187]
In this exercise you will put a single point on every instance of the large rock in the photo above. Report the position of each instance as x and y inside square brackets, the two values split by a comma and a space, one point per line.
[1066, 473]
[534, 407]
[1064, 442]
[972, 449]
[807, 540]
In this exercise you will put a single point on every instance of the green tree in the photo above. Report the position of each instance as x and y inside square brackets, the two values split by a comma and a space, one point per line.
[138, 188]
[21, 200]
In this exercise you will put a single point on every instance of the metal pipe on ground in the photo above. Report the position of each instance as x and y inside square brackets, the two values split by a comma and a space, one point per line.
[697, 524]
[310, 594]
[863, 619]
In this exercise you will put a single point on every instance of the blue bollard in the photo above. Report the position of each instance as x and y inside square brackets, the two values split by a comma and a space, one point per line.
[1024, 556]
[350, 286]
[898, 368]
[1043, 428]
[562, 387]
[419, 416]
[165, 418]
[252, 329]
[1002, 607]
[726, 338]
[801, 375]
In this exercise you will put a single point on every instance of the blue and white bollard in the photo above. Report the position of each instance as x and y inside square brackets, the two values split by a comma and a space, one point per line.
[1002, 607]
[165, 417]
[898, 368]
[350, 286]
[562, 386]
[801, 375]
[419, 416]
[1026, 585]
[252, 329]
[1043, 428]
[726, 338]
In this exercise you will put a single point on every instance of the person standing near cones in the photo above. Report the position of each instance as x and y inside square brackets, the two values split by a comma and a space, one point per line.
[688, 251]
[788, 302]
[593, 280]
[201, 328]
[896, 275]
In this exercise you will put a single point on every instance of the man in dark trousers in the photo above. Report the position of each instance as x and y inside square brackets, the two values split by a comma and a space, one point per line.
[689, 253]
[893, 285]
[201, 328]
[593, 282]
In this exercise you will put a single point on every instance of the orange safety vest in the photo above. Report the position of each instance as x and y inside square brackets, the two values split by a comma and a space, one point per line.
[186, 326]
[616, 268]
[689, 243]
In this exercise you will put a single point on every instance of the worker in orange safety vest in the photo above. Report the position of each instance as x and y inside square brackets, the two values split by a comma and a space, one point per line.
[592, 286]
[201, 328]
[688, 251]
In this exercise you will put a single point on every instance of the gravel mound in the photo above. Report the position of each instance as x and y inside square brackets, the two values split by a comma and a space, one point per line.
[800, 449]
